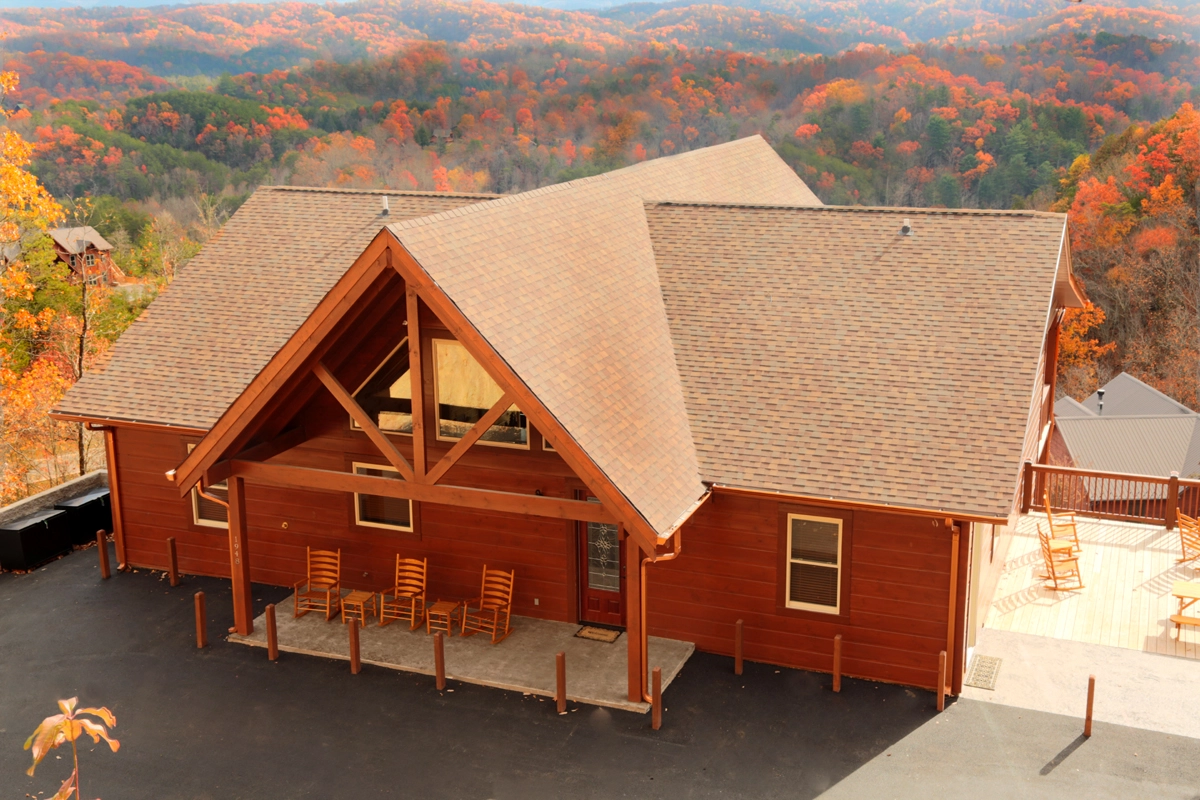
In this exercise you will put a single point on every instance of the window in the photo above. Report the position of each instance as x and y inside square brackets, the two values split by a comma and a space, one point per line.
[206, 512]
[374, 511]
[464, 392]
[814, 563]
[546, 445]
[90, 259]
[387, 395]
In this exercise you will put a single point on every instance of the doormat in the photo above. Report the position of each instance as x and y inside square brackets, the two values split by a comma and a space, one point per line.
[983, 672]
[598, 634]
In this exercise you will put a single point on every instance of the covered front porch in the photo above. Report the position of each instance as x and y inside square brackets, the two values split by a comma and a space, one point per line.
[523, 662]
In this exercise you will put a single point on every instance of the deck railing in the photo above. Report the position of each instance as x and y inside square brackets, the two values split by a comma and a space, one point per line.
[1109, 495]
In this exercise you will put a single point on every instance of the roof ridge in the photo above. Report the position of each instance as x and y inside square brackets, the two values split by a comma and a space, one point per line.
[567, 185]
[389, 192]
[1145, 385]
[976, 212]
[1094, 417]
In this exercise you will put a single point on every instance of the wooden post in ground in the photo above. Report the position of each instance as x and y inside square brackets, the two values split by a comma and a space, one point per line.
[102, 545]
[656, 699]
[272, 635]
[941, 687]
[560, 674]
[355, 660]
[837, 663]
[1087, 721]
[439, 660]
[172, 562]
[738, 634]
[201, 622]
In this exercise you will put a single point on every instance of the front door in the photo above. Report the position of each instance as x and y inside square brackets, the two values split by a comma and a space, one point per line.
[601, 577]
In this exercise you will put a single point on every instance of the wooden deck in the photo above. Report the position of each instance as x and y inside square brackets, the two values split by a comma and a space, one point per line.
[1128, 570]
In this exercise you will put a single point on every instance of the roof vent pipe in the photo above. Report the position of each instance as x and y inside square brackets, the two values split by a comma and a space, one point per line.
[1100, 394]
[906, 228]
[385, 205]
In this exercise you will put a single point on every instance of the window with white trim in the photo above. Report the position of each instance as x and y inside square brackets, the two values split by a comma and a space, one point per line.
[464, 392]
[387, 394]
[814, 568]
[375, 511]
[209, 513]
[90, 259]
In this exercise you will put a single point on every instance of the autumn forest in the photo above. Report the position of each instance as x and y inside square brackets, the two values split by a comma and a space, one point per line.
[153, 126]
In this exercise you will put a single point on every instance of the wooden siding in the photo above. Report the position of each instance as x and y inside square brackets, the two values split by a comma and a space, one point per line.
[730, 565]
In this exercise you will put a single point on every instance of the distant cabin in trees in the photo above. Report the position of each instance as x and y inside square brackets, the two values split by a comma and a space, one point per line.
[88, 254]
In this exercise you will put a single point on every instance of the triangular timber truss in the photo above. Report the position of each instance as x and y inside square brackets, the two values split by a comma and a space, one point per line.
[223, 453]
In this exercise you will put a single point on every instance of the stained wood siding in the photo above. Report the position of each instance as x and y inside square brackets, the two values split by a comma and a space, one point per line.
[729, 568]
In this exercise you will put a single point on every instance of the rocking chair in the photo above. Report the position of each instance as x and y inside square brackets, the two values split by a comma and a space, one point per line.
[1189, 536]
[1062, 526]
[407, 600]
[323, 586]
[492, 609]
[1060, 565]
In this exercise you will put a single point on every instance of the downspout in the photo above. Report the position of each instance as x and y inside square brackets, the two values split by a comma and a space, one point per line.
[645, 648]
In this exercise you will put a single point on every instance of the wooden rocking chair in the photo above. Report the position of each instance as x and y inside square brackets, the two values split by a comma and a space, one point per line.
[1189, 537]
[323, 586]
[1060, 565]
[492, 609]
[407, 599]
[1062, 527]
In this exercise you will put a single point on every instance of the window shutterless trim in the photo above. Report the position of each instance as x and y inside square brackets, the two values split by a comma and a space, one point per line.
[358, 520]
[791, 560]
[783, 562]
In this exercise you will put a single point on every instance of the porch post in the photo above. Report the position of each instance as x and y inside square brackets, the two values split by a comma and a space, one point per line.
[114, 495]
[239, 558]
[633, 615]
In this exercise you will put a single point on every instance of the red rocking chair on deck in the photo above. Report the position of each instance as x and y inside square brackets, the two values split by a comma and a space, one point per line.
[323, 590]
[492, 609]
[407, 599]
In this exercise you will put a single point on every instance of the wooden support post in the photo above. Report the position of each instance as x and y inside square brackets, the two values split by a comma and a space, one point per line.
[633, 619]
[172, 562]
[416, 383]
[114, 495]
[941, 687]
[837, 663]
[102, 547]
[656, 699]
[439, 660]
[201, 622]
[952, 607]
[560, 674]
[239, 558]
[355, 659]
[1171, 513]
[738, 633]
[272, 634]
[1026, 487]
[1087, 721]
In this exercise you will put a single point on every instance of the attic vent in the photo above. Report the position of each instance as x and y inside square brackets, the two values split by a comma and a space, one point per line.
[385, 205]
[906, 228]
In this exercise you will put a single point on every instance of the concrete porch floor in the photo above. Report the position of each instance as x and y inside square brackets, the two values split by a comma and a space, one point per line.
[524, 662]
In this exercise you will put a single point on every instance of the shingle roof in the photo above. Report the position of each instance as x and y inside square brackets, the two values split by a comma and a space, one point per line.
[1126, 396]
[1137, 445]
[194, 350]
[823, 353]
[75, 240]
[562, 283]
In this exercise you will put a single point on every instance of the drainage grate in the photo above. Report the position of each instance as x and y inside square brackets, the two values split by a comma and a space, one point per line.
[983, 672]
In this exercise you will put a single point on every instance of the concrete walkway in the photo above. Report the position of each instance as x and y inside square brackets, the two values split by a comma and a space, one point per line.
[1133, 688]
[523, 662]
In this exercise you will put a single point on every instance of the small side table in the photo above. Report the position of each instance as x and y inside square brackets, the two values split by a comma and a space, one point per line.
[356, 605]
[440, 616]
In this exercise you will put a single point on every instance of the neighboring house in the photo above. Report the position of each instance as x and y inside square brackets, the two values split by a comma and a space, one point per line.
[1129, 428]
[809, 418]
[88, 254]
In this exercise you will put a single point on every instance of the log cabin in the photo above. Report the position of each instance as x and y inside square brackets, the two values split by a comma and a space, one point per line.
[87, 254]
[671, 397]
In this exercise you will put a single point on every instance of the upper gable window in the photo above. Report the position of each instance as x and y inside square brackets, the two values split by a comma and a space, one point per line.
[464, 392]
[386, 396]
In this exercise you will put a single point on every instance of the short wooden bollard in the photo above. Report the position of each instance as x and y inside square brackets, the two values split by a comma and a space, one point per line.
[272, 635]
[355, 660]
[941, 687]
[1087, 721]
[201, 622]
[739, 629]
[102, 546]
[439, 660]
[656, 698]
[560, 674]
[172, 561]
[837, 663]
